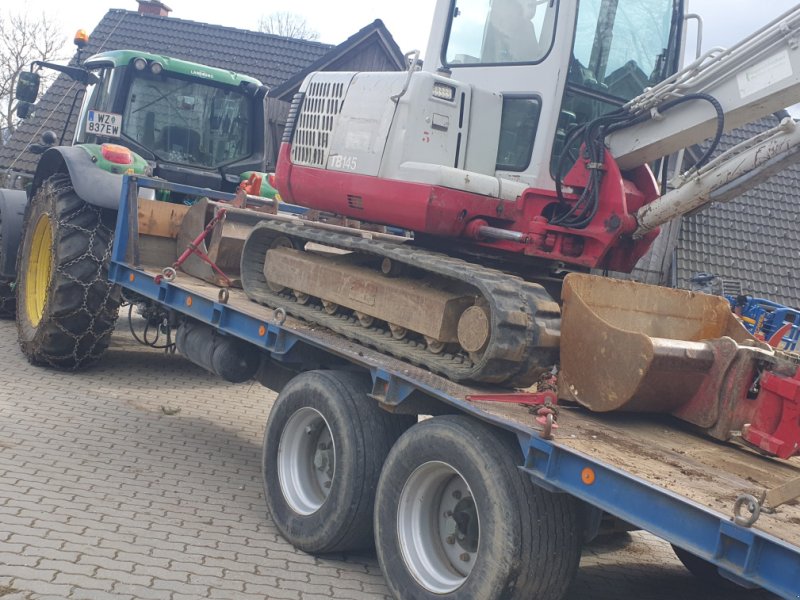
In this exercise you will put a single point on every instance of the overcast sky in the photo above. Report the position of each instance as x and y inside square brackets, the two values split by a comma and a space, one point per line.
[725, 21]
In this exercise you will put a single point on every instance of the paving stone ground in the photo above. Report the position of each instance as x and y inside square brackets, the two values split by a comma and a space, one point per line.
[140, 479]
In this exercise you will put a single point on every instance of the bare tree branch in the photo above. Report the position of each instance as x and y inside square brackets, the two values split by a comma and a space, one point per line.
[23, 39]
[288, 25]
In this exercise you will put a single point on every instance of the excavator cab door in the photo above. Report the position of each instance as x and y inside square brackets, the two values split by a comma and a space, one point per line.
[610, 50]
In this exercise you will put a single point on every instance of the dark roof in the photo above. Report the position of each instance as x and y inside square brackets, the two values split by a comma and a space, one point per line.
[754, 239]
[270, 58]
[328, 62]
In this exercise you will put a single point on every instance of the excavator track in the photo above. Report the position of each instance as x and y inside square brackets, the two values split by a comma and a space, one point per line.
[524, 319]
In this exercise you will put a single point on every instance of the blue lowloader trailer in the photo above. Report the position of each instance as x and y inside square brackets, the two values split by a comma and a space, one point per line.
[483, 497]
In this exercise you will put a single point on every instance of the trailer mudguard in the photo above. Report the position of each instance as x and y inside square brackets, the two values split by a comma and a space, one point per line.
[92, 184]
[12, 215]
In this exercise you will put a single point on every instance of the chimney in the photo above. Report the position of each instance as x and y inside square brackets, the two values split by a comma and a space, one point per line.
[153, 7]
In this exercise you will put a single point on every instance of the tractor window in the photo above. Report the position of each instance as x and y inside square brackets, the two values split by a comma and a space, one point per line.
[188, 122]
[99, 96]
[500, 31]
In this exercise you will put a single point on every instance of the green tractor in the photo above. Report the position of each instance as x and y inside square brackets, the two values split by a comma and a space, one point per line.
[141, 114]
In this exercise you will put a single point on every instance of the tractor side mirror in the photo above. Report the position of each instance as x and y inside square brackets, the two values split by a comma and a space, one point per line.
[27, 87]
[49, 139]
[24, 109]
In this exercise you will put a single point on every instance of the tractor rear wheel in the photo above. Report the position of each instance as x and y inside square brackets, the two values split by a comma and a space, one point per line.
[66, 306]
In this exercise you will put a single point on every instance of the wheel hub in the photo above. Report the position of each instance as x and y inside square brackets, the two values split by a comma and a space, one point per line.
[306, 461]
[37, 276]
[438, 527]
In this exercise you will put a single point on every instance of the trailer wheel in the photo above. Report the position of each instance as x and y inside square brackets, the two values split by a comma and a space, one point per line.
[455, 518]
[324, 447]
[66, 306]
[702, 569]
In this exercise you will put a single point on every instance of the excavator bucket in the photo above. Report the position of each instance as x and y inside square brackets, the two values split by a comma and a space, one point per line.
[635, 347]
[224, 244]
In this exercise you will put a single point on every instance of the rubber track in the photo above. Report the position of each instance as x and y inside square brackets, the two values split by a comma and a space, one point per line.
[519, 309]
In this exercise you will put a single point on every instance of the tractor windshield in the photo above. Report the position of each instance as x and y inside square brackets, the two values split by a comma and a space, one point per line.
[188, 122]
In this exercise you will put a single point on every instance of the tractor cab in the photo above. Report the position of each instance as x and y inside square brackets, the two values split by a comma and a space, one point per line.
[193, 124]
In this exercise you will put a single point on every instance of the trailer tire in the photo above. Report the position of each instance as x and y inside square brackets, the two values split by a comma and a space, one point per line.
[67, 306]
[8, 300]
[703, 570]
[455, 468]
[350, 437]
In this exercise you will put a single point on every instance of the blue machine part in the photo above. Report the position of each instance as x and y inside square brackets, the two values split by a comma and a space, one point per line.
[766, 317]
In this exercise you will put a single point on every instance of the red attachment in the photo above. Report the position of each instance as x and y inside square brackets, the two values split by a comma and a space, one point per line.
[250, 187]
[546, 400]
[776, 426]
[777, 338]
[547, 397]
[195, 249]
[605, 243]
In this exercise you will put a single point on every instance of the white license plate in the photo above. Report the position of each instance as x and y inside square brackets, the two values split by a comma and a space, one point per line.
[103, 123]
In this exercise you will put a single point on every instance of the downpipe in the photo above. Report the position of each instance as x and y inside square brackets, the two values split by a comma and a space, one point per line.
[232, 359]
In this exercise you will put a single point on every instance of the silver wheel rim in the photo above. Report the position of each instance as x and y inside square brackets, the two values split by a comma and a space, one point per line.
[306, 461]
[438, 527]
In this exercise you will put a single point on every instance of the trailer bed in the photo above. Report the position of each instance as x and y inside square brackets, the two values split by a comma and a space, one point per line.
[657, 449]
[651, 471]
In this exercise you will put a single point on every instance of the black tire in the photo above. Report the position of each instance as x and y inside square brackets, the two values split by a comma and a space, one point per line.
[362, 435]
[8, 300]
[529, 540]
[705, 571]
[8, 296]
[80, 305]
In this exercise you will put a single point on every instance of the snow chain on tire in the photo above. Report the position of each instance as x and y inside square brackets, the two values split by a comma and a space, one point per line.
[79, 306]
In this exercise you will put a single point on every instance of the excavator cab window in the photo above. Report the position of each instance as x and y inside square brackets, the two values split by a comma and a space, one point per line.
[620, 48]
[517, 132]
[500, 31]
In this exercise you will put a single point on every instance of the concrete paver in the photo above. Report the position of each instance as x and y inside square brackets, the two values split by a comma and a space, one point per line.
[140, 478]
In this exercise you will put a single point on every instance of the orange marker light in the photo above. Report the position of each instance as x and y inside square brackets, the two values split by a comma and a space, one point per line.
[81, 38]
[262, 331]
[189, 301]
[131, 277]
[587, 476]
[116, 154]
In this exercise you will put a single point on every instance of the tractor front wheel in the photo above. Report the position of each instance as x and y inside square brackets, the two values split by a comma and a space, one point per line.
[66, 307]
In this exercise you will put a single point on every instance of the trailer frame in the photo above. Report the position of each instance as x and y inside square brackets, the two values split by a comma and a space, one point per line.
[744, 554]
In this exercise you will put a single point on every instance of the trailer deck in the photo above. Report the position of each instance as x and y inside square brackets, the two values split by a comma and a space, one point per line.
[650, 471]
